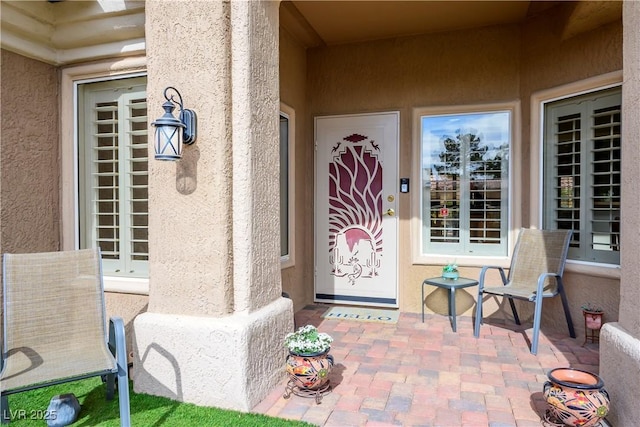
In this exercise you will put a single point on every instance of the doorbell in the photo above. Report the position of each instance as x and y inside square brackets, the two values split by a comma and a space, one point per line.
[404, 185]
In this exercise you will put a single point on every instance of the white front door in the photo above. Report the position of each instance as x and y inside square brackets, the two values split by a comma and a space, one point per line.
[356, 222]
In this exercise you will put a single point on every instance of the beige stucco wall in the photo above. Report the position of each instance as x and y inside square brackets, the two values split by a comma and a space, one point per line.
[297, 280]
[29, 208]
[620, 342]
[550, 59]
[127, 306]
[29, 205]
[500, 63]
[630, 290]
[29, 164]
[489, 65]
[189, 240]
[458, 68]
[215, 291]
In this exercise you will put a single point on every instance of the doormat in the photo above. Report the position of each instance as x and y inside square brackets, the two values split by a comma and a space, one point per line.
[362, 314]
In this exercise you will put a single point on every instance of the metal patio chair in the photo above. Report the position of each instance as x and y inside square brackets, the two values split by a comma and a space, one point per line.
[535, 273]
[55, 328]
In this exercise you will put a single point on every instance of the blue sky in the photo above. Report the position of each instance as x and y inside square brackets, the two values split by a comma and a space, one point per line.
[494, 129]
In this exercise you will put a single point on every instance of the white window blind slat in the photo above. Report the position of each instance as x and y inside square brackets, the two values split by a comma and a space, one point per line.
[465, 183]
[583, 157]
[116, 158]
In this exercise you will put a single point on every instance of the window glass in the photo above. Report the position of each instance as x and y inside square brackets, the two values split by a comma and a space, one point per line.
[582, 173]
[465, 165]
[284, 185]
[113, 174]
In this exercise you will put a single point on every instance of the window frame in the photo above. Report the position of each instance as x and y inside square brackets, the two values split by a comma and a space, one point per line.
[583, 107]
[288, 260]
[70, 221]
[124, 265]
[514, 198]
[536, 181]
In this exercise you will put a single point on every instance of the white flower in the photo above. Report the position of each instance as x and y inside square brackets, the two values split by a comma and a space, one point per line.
[307, 340]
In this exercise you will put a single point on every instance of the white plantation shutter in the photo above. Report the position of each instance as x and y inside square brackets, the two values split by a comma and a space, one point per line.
[582, 173]
[605, 182]
[114, 179]
[465, 181]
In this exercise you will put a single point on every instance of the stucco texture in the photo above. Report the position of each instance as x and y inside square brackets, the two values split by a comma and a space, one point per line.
[630, 289]
[190, 242]
[229, 362]
[29, 196]
[620, 341]
[216, 321]
[297, 280]
[29, 209]
[489, 65]
[127, 306]
[405, 73]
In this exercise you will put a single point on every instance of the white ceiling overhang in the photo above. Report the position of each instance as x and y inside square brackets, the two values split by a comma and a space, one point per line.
[63, 32]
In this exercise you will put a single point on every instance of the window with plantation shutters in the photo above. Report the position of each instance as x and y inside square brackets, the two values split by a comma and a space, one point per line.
[287, 185]
[113, 174]
[465, 165]
[582, 173]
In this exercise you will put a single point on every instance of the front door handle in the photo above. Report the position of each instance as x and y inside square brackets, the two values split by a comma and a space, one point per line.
[391, 212]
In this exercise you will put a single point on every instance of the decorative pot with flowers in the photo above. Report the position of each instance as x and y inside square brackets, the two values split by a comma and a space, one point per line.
[450, 271]
[309, 362]
[592, 316]
[575, 397]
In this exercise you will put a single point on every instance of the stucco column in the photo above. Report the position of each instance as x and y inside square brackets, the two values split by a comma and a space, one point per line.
[620, 341]
[213, 333]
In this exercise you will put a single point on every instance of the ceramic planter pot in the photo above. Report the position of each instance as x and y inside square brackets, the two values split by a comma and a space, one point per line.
[576, 397]
[592, 319]
[450, 275]
[309, 371]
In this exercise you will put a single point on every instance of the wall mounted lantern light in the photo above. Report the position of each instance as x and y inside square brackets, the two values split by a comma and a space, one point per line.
[172, 132]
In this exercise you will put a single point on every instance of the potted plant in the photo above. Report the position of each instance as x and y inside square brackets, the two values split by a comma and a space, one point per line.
[575, 397]
[450, 271]
[309, 362]
[592, 316]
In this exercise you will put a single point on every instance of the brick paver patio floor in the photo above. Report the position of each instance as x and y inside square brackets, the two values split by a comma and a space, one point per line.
[423, 374]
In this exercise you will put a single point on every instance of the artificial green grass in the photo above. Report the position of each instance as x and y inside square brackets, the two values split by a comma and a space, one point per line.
[146, 410]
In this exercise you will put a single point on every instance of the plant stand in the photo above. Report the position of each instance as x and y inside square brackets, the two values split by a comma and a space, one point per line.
[292, 388]
[592, 325]
[308, 374]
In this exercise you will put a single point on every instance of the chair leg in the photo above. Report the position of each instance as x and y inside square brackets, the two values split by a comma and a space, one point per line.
[110, 380]
[514, 311]
[118, 343]
[6, 414]
[476, 328]
[536, 324]
[565, 305]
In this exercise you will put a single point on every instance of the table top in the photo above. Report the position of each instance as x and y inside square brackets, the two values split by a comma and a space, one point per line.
[460, 282]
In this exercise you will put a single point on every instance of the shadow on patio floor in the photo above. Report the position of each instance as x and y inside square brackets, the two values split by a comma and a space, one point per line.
[423, 374]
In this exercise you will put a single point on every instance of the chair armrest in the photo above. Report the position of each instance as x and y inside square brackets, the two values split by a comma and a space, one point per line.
[117, 341]
[540, 288]
[483, 272]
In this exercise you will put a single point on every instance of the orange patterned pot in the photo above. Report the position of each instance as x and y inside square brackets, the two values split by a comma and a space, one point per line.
[309, 371]
[576, 397]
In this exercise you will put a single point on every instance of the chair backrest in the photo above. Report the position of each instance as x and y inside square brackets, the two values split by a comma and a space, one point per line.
[54, 317]
[538, 252]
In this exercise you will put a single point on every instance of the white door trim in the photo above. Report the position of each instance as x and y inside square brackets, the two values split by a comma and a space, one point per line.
[375, 290]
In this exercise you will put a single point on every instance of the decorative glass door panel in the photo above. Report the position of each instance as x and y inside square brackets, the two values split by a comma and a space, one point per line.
[356, 204]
